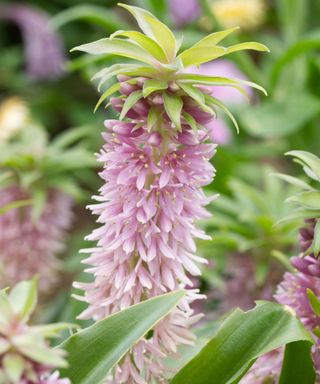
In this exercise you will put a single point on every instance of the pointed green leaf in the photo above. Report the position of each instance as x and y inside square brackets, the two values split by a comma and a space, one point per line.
[95, 350]
[292, 180]
[153, 117]
[14, 205]
[173, 106]
[196, 95]
[206, 47]
[314, 302]
[193, 92]
[156, 30]
[241, 339]
[114, 88]
[309, 200]
[23, 298]
[297, 367]
[145, 42]
[283, 259]
[201, 54]
[151, 86]
[219, 81]
[213, 38]
[298, 215]
[214, 101]
[190, 120]
[117, 47]
[250, 45]
[309, 159]
[142, 72]
[130, 102]
[114, 68]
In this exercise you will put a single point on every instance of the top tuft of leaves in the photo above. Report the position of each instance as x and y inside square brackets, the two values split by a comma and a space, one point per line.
[162, 65]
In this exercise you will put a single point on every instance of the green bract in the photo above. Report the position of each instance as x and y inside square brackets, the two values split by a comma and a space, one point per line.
[162, 66]
[23, 347]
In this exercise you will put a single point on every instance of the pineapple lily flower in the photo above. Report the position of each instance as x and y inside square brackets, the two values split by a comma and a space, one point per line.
[25, 355]
[156, 159]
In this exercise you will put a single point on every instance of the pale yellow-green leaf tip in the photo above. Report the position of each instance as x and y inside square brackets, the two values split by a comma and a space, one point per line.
[290, 310]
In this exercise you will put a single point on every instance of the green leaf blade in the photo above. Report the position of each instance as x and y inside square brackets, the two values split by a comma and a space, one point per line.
[173, 106]
[297, 366]
[153, 28]
[117, 47]
[95, 350]
[242, 338]
[131, 100]
[153, 85]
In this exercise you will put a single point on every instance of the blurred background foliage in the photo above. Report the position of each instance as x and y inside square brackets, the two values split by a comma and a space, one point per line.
[47, 101]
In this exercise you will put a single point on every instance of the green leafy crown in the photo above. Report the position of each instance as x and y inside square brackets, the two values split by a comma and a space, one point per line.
[157, 51]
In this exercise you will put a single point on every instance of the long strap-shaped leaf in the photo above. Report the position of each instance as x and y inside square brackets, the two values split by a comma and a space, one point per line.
[153, 28]
[217, 81]
[95, 350]
[241, 339]
[213, 101]
[119, 47]
[145, 42]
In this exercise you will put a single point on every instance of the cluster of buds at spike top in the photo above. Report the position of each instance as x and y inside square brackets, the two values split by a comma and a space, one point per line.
[156, 160]
[29, 245]
[25, 355]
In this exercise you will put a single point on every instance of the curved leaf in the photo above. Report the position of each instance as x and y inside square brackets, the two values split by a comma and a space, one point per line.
[110, 91]
[153, 28]
[218, 103]
[145, 42]
[309, 199]
[117, 47]
[173, 106]
[309, 159]
[130, 102]
[93, 13]
[218, 80]
[153, 85]
[201, 54]
[241, 339]
[250, 45]
[95, 350]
